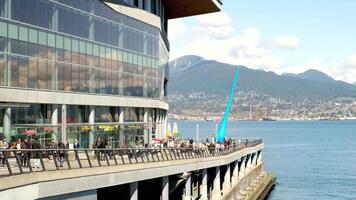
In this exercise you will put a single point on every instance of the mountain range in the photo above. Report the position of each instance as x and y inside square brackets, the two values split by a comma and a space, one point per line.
[191, 74]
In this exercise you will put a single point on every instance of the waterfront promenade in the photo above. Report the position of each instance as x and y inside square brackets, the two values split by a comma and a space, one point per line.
[97, 169]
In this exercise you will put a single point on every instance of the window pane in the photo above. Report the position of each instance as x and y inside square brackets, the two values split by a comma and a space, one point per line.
[67, 77]
[75, 77]
[13, 31]
[32, 73]
[51, 40]
[3, 29]
[51, 76]
[3, 64]
[23, 34]
[42, 38]
[60, 76]
[23, 71]
[42, 74]
[33, 36]
[14, 71]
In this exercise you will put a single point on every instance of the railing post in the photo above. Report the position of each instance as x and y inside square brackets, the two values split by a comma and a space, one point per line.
[146, 153]
[7, 163]
[165, 152]
[106, 158]
[77, 157]
[18, 161]
[122, 158]
[134, 154]
[41, 160]
[88, 158]
[114, 154]
[66, 155]
[139, 151]
[55, 160]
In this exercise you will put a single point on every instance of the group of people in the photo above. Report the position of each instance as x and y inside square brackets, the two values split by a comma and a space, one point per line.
[25, 157]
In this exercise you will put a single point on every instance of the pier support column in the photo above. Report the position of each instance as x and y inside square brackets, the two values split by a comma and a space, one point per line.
[133, 191]
[188, 188]
[216, 193]
[7, 123]
[254, 162]
[242, 169]
[204, 185]
[247, 164]
[165, 188]
[92, 128]
[54, 122]
[259, 159]
[235, 173]
[227, 178]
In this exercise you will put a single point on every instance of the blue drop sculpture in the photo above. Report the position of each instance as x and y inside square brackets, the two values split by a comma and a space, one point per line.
[222, 126]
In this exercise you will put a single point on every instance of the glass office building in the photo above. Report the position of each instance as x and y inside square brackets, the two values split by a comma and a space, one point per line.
[82, 69]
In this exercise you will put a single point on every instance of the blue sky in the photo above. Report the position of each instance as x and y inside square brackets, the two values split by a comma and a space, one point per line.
[274, 35]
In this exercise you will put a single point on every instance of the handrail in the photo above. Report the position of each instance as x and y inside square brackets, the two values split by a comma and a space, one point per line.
[22, 161]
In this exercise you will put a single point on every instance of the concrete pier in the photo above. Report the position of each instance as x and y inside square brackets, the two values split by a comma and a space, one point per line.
[233, 175]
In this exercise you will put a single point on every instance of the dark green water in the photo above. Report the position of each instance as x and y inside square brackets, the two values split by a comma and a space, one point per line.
[312, 159]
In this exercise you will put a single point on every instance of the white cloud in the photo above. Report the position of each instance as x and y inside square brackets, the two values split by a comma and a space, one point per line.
[286, 42]
[350, 60]
[177, 28]
[214, 37]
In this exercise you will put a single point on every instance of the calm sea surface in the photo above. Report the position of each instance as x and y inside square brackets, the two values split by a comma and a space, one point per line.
[312, 159]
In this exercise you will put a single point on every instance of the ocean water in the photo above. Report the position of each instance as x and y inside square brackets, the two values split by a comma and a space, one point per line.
[312, 159]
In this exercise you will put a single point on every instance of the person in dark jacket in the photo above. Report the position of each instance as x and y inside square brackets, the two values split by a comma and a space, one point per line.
[61, 153]
[36, 154]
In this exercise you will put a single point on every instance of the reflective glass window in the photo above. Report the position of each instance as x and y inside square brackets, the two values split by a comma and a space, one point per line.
[3, 36]
[23, 72]
[32, 73]
[42, 74]
[67, 77]
[51, 76]
[14, 71]
[3, 64]
[60, 76]
[75, 78]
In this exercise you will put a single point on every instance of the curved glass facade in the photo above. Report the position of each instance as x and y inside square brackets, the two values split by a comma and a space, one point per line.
[79, 46]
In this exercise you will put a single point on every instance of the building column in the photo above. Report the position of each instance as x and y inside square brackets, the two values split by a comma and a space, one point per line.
[150, 124]
[92, 127]
[133, 191]
[204, 185]
[64, 123]
[121, 127]
[165, 188]
[158, 132]
[188, 188]
[227, 182]
[165, 119]
[235, 173]
[146, 126]
[216, 193]
[7, 123]
[54, 122]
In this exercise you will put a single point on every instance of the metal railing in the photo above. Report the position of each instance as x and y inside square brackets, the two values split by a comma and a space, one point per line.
[16, 162]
